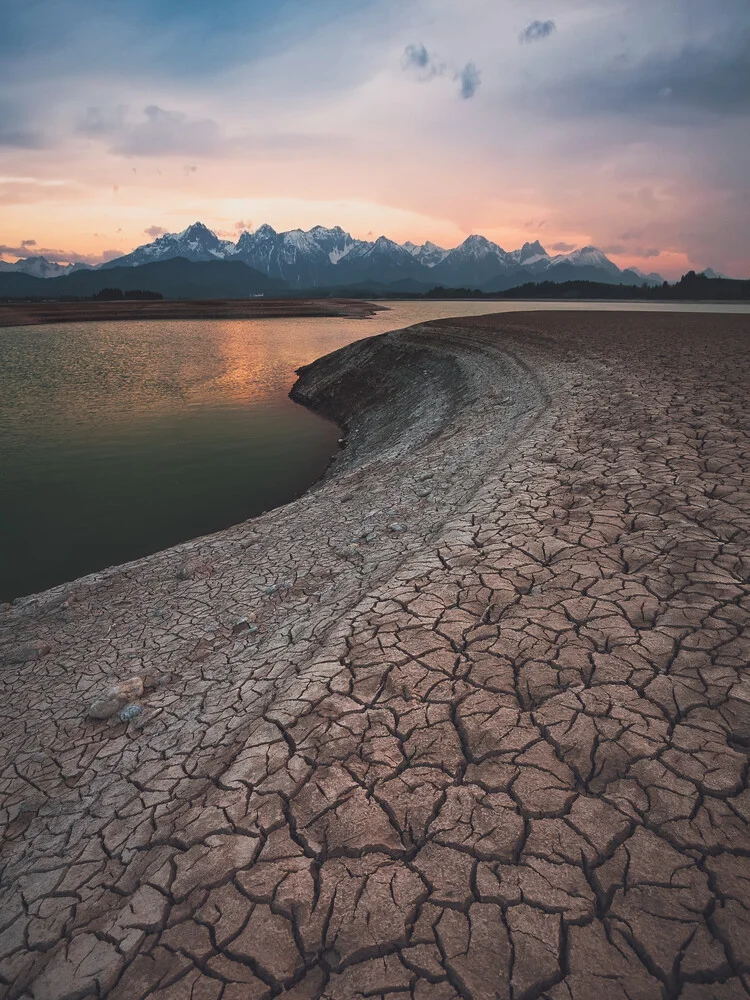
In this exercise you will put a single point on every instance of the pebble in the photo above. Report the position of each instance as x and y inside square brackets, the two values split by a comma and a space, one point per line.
[130, 712]
[423, 493]
[396, 528]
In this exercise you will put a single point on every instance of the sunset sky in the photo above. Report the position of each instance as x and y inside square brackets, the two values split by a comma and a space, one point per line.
[622, 123]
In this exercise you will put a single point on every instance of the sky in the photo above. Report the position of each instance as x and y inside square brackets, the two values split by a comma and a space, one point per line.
[619, 123]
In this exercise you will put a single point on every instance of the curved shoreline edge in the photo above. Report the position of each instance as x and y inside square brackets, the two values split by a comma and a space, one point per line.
[490, 736]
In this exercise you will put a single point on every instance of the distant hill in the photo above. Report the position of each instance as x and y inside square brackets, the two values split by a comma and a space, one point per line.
[690, 287]
[174, 278]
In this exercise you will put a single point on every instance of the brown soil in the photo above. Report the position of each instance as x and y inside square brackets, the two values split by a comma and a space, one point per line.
[34, 313]
[469, 720]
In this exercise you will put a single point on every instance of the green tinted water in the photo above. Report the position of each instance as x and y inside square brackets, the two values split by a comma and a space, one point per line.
[120, 439]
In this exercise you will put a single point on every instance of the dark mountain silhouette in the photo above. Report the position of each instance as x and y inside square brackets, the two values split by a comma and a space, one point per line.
[174, 278]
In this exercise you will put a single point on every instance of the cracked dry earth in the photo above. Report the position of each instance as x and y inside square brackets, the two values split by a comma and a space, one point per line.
[500, 753]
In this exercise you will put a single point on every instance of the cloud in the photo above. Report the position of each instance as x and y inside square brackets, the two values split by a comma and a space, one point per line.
[14, 131]
[469, 79]
[169, 132]
[682, 82]
[536, 31]
[618, 248]
[417, 59]
[21, 138]
[57, 256]
[155, 231]
[562, 247]
[240, 226]
[98, 121]
[415, 56]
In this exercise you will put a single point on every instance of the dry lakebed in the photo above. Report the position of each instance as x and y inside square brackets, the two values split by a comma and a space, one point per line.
[468, 720]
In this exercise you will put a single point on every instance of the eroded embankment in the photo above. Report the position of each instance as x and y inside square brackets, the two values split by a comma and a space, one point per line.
[490, 736]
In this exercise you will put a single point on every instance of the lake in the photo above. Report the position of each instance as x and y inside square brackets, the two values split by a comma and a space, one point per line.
[120, 439]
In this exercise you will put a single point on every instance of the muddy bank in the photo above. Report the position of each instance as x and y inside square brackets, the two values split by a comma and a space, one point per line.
[466, 720]
[36, 313]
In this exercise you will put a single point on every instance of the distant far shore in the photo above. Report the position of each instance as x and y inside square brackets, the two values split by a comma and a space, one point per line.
[37, 313]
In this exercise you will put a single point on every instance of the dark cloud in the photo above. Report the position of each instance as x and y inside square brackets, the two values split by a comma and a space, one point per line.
[536, 31]
[28, 243]
[469, 79]
[562, 247]
[417, 59]
[415, 56]
[155, 231]
[711, 78]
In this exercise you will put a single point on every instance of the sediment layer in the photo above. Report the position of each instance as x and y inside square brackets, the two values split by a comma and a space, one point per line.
[36, 313]
[469, 719]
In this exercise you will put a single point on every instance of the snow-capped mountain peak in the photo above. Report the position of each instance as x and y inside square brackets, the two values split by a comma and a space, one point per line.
[585, 257]
[479, 246]
[331, 257]
[530, 253]
[40, 267]
[428, 253]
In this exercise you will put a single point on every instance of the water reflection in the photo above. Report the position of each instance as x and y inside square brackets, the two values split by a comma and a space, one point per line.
[118, 439]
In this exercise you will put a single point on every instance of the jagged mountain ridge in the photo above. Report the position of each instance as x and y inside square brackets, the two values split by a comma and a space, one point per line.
[332, 258]
[40, 267]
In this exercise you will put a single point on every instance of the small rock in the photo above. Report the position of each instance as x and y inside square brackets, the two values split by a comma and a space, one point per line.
[115, 698]
[396, 528]
[423, 493]
[241, 625]
[370, 536]
[424, 476]
[153, 679]
[271, 588]
[23, 654]
[130, 712]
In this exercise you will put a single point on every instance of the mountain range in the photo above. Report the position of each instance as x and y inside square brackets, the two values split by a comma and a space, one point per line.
[322, 258]
[39, 267]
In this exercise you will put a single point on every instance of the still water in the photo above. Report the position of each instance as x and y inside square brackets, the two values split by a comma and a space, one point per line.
[120, 439]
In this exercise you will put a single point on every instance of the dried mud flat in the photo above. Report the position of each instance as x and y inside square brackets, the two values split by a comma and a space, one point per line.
[36, 313]
[484, 730]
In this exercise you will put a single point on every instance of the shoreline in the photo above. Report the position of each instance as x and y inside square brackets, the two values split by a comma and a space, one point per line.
[42, 313]
[484, 682]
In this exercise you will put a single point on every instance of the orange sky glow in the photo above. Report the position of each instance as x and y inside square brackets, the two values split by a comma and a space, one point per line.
[574, 123]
